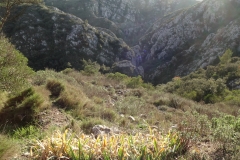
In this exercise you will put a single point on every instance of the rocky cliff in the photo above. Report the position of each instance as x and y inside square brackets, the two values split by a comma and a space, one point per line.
[128, 19]
[190, 39]
[174, 45]
[50, 38]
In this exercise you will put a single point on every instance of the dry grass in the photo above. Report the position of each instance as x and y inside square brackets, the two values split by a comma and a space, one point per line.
[3, 99]
[44, 94]
[55, 87]
[8, 147]
[153, 145]
[96, 99]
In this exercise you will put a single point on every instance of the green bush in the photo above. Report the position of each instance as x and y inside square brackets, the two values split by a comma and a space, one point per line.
[118, 76]
[211, 85]
[67, 101]
[226, 130]
[26, 132]
[226, 57]
[3, 99]
[90, 67]
[8, 147]
[108, 114]
[55, 87]
[135, 82]
[13, 68]
[22, 108]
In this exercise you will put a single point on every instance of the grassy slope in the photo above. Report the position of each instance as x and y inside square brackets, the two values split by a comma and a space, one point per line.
[88, 98]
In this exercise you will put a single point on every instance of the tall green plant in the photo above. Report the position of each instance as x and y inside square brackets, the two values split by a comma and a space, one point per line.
[226, 57]
[14, 72]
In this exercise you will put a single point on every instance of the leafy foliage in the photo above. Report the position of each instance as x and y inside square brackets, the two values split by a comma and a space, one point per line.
[55, 87]
[226, 57]
[26, 132]
[90, 67]
[13, 68]
[226, 129]
[131, 82]
[7, 147]
[214, 84]
[21, 108]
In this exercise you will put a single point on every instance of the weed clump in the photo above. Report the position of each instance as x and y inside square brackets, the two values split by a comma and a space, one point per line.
[88, 124]
[153, 145]
[21, 109]
[55, 87]
[8, 147]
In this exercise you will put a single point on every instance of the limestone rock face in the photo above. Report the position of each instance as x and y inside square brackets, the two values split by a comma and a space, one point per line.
[50, 38]
[164, 42]
[125, 67]
[128, 19]
[190, 39]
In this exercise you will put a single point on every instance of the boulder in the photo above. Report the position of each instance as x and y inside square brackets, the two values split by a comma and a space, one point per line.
[125, 67]
[99, 130]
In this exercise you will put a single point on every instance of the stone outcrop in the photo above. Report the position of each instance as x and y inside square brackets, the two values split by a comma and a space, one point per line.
[100, 130]
[125, 67]
[50, 38]
[190, 39]
[166, 43]
[128, 19]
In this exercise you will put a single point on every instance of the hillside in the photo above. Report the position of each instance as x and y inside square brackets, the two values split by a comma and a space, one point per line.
[72, 88]
[50, 38]
[128, 19]
[174, 45]
[190, 39]
[62, 114]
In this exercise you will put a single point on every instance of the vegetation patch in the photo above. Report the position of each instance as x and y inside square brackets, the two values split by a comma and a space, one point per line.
[153, 145]
[21, 108]
[213, 84]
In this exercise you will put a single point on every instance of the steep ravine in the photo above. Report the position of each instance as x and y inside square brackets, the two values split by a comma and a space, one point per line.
[174, 45]
[190, 39]
[128, 19]
[50, 38]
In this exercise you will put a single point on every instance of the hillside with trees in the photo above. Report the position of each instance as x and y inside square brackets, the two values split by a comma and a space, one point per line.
[74, 105]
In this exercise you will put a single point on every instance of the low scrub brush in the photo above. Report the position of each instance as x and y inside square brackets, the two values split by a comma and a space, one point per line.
[153, 145]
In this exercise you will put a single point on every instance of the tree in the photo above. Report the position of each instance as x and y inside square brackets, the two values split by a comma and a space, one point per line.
[14, 72]
[7, 5]
[226, 57]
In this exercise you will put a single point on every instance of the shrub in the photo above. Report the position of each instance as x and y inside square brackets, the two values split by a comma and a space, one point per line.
[3, 99]
[67, 100]
[21, 109]
[55, 87]
[118, 76]
[134, 82]
[152, 145]
[131, 105]
[88, 124]
[26, 132]
[226, 57]
[109, 115]
[13, 68]
[8, 147]
[226, 131]
[162, 101]
[90, 67]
